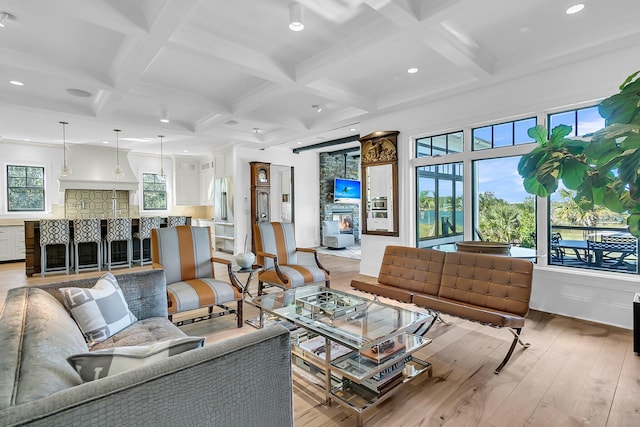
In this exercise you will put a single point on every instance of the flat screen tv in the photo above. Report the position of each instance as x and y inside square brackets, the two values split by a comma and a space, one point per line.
[346, 190]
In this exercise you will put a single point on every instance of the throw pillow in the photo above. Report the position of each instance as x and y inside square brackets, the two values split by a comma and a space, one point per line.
[110, 361]
[101, 311]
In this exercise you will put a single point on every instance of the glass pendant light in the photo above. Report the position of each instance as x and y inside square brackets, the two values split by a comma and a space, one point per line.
[117, 172]
[66, 169]
[161, 157]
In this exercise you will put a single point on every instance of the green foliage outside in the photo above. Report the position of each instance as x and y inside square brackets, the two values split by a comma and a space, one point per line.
[154, 193]
[25, 188]
[603, 171]
[507, 222]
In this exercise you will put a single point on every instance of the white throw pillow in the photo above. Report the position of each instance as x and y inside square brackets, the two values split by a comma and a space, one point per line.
[110, 361]
[101, 311]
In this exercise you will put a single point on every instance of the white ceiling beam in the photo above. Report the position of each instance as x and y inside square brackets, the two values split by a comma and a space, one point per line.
[138, 52]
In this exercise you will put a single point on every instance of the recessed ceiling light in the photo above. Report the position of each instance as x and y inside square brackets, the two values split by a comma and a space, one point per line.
[165, 117]
[353, 129]
[4, 17]
[105, 142]
[299, 142]
[575, 8]
[317, 107]
[412, 70]
[80, 93]
[185, 151]
[231, 122]
[16, 83]
[27, 139]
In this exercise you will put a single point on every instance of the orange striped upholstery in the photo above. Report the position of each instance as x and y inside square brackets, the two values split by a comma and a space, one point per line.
[279, 239]
[185, 253]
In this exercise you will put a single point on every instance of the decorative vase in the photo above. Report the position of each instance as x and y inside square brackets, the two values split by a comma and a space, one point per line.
[245, 260]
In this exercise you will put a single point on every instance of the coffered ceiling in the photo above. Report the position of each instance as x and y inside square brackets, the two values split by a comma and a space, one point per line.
[232, 72]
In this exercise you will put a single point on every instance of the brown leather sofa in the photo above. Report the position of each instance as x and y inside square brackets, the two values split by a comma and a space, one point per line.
[489, 289]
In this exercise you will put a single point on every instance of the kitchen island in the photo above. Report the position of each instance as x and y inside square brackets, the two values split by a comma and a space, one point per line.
[87, 251]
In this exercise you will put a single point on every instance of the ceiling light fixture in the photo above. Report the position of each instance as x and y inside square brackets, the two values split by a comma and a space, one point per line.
[412, 70]
[16, 83]
[117, 172]
[161, 156]
[165, 117]
[317, 107]
[575, 9]
[4, 17]
[295, 17]
[66, 169]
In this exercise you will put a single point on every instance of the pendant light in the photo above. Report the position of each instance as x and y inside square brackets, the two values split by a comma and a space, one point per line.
[66, 169]
[117, 172]
[161, 157]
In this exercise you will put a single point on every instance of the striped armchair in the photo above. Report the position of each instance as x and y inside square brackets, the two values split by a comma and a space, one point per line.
[185, 253]
[276, 251]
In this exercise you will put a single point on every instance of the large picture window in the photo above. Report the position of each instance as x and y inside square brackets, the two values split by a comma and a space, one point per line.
[154, 192]
[440, 200]
[505, 212]
[25, 188]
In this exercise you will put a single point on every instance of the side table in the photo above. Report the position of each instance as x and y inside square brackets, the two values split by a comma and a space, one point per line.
[252, 271]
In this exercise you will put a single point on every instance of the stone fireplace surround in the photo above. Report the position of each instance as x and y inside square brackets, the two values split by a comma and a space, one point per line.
[334, 165]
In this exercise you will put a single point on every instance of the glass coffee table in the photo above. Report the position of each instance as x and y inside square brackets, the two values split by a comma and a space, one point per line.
[359, 351]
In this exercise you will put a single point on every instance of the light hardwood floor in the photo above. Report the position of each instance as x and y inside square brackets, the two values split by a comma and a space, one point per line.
[575, 372]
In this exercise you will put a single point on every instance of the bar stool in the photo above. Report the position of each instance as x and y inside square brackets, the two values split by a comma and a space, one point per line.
[144, 232]
[118, 229]
[53, 232]
[87, 231]
[174, 221]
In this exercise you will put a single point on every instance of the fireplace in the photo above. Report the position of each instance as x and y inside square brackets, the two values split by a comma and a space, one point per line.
[345, 219]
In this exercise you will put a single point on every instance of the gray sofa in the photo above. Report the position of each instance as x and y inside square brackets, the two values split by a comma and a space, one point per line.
[239, 381]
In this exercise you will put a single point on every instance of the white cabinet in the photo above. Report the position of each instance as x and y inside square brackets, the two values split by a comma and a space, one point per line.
[11, 242]
[207, 183]
[224, 237]
[187, 181]
[223, 165]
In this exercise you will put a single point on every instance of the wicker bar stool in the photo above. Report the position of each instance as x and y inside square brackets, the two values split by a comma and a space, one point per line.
[144, 233]
[53, 232]
[118, 229]
[174, 221]
[87, 231]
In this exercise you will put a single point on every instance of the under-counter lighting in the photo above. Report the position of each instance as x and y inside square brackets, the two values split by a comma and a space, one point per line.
[575, 8]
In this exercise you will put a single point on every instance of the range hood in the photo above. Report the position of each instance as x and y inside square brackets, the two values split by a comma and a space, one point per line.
[93, 170]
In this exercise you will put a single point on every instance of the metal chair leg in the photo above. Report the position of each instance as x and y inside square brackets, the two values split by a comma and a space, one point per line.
[516, 340]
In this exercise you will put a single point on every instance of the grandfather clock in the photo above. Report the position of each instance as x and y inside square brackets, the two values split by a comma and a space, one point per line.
[260, 192]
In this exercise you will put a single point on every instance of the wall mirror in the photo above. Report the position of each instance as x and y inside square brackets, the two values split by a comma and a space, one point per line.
[379, 162]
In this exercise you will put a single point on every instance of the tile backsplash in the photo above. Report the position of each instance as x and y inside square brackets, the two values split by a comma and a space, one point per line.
[96, 203]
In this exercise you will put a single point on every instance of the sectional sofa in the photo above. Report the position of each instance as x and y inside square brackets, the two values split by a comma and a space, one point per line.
[240, 381]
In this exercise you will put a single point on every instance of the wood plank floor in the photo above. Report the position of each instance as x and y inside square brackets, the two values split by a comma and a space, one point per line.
[575, 372]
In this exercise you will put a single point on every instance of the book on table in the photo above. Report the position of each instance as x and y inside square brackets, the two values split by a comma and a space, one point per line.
[316, 346]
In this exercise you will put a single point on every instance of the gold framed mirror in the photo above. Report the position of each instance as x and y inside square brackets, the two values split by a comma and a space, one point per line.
[379, 163]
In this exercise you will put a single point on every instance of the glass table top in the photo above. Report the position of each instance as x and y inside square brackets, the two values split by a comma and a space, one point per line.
[351, 320]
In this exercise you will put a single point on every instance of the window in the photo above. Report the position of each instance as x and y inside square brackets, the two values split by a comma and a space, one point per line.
[504, 211]
[25, 188]
[583, 121]
[439, 203]
[439, 145]
[596, 239]
[154, 192]
[503, 135]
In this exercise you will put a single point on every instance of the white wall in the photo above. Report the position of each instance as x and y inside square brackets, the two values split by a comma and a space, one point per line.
[306, 192]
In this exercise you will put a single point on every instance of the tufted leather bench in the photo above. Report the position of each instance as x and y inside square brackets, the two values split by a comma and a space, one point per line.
[489, 289]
